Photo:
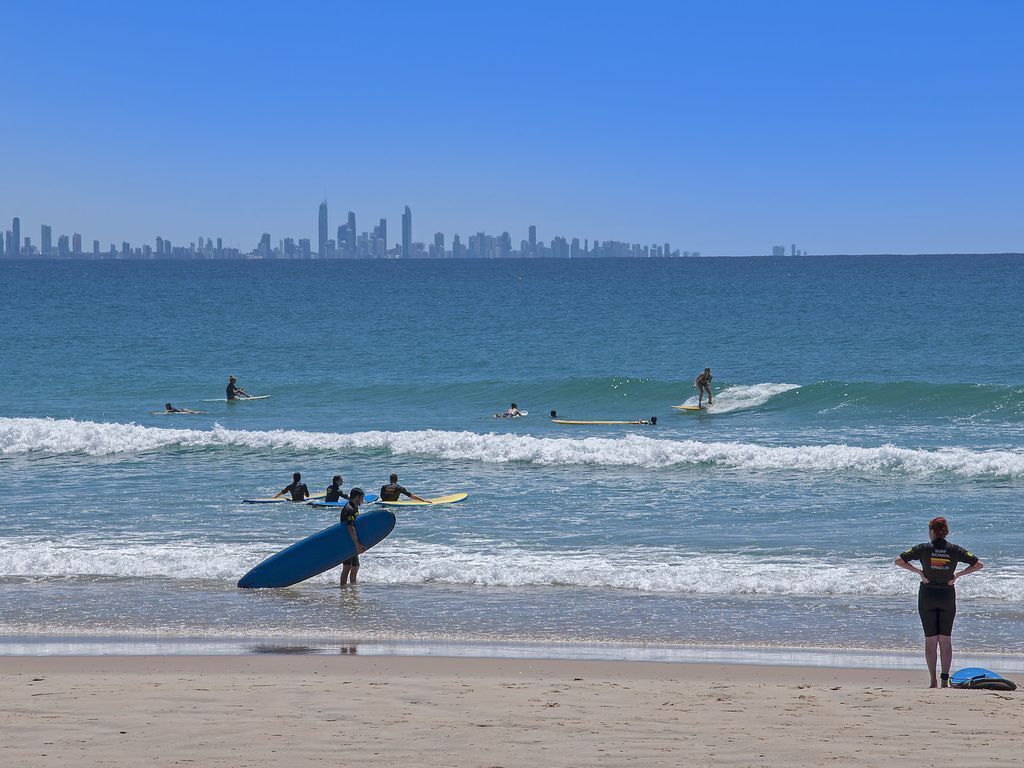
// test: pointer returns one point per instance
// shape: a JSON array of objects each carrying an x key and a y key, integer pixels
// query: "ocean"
[{"x": 856, "y": 398}]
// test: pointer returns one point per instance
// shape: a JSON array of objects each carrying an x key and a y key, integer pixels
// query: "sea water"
[{"x": 855, "y": 399}]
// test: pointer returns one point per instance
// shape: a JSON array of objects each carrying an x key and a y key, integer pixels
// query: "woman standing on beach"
[{"x": 936, "y": 597}]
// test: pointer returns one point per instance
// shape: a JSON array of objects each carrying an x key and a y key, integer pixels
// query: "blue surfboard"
[
  {"x": 370, "y": 498},
  {"x": 979, "y": 677},
  {"x": 318, "y": 553}
]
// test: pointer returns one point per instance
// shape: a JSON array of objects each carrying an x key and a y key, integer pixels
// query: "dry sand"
[{"x": 398, "y": 711}]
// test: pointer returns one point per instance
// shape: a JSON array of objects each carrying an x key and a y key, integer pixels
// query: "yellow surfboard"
[
  {"x": 451, "y": 498},
  {"x": 690, "y": 408},
  {"x": 571, "y": 421}
]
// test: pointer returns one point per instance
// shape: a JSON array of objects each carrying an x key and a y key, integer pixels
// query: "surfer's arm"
[
  {"x": 969, "y": 569},
  {"x": 900, "y": 562},
  {"x": 414, "y": 497},
  {"x": 355, "y": 539}
]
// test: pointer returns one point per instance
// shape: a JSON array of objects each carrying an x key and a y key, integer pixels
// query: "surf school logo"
[{"x": 939, "y": 561}]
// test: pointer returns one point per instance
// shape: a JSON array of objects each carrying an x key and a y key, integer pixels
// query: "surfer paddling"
[
  {"x": 393, "y": 492},
  {"x": 235, "y": 392},
  {"x": 703, "y": 386},
  {"x": 297, "y": 489},
  {"x": 168, "y": 408},
  {"x": 936, "y": 597},
  {"x": 350, "y": 567}
]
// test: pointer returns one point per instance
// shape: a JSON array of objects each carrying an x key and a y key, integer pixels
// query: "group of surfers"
[
  {"x": 938, "y": 558},
  {"x": 354, "y": 499}
]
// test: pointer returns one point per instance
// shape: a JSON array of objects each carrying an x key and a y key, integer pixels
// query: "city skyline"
[
  {"x": 348, "y": 244},
  {"x": 723, "y": 126}
]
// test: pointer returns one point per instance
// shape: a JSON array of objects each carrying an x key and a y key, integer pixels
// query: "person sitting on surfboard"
[
  {"x": 334, "y": 492},
  {"x": 703, "y": 384},
  {"x": 393, "y": 491},
  {"x": 297, "y": 489},
  {"x": 235, "y": 392},
  {"x": 350, "y": 567},
  {"x": 513, "y": 411}
]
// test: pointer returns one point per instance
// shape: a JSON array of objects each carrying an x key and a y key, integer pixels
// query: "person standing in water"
[
  {"x": 234, "y": 392},
  {"x": 350, "y": 567},
  {"x": 393, "y": 492},
  {"x": 297, "y": 489},
  {"x": 936, "y": 597},
  {"x": 703, "y": 385}
]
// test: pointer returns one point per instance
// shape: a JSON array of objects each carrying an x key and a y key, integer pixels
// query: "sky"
[{"x": 723, "y": 127}]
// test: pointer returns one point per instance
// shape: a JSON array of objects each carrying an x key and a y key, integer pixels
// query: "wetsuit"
[
  {"x": 230, "y": 392},
  {"x": 704, "y": 385},
  {"x": 334, "y": 493},
  {"x": 392, "y": 492},
  {"x": 298, "y": 490},
  {"x": 348, "y": 519},
  {"x": 936, "y": 600}
]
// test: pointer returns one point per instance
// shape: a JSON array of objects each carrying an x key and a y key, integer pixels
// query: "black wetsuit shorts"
[
  {"x": 352, "y": 561},
  {"x": 937, "y": 605}
]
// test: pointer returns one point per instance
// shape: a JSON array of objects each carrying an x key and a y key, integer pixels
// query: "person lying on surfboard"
[
  {"x": 393, "y": 491},
  {"x": 512, "y": 412},
  {"x": 234, "y": 392},
  {"x": 703, "y": 384},
  {"x": 168, "y": 408},
  {"x": 297, "y": 489},
  {"x": 334, "y": 492}
]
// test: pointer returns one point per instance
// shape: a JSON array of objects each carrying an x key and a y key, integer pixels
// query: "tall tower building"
[
  {"x": 322, "y": 239},
  {"x": 76, "y": 244},
  {"x": 45, "y": 240},
  {"x": 16, "y": 232},
  {"x": 407, "y": 233},
  {"x": 533, "y": 240},
  {"x": 383, "y": 236},
  {"x": 352, "y": 236}
]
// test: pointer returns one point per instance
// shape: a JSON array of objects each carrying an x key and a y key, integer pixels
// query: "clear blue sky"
[{"x": 724, "y": 127}]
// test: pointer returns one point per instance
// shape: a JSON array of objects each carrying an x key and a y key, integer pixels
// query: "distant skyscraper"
[
  {"x": 792, "y": 251},
  {"x": 9, "y": 249},
  {"x": 76, "y": 244},
  {"x": 382, "y": 236},
  {"x": 533, "y": 240},
  {"x": 45, "y": 240},
  {"x": 159, "y": 246},
  {"x": 63, "y": 246},
  {"x": 778, "y": 250},
  {"x": 352, "y": 237},
  {"x": 407, "y": 233},
  {"x": 322, "y": 240},
  {"x": 16, "y": 233},
  {"x": 96, "y": 248}
]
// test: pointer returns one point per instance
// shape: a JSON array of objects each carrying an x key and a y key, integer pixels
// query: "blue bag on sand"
[{"x": 985, "y": 679}]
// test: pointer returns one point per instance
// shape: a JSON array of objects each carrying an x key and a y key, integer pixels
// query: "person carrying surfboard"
[
  {"x": 297, "y": 489},
  {"x": 334, "y": 492},
  {"x": 936, "y": 597},
  {"x": 703, "y": 384},
  {"x": 350, "y": 567},
  {"x": 393, "y": 491},
  {"x": 234, "y": 392}
]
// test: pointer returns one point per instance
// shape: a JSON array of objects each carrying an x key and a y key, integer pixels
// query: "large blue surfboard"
[{"x": 317, "y": 553}]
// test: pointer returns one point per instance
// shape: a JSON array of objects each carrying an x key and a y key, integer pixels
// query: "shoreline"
[
  {"x": 56, "y": 646},
  {"x": 315, "y": 710}
]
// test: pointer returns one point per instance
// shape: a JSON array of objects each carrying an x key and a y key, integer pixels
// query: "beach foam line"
[
  {"x": 62, "y": 436},
  {"x": 639, "y": 569}
]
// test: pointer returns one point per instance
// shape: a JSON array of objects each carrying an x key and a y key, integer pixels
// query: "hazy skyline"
[{"x": 725, "y": 129}]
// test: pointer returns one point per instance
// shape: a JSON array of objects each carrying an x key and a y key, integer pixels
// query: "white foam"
[
  {"x": 638, "y": 569},
  {"x": 741, "y": 396},
  {"x": 52, "y": 436}
]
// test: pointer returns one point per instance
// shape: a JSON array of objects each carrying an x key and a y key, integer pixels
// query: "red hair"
[{"x": 939, "y": 527}]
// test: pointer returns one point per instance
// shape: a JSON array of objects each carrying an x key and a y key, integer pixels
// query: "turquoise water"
[{"x": 856, "y": 398}]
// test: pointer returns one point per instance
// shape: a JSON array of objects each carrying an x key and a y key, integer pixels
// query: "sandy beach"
[{"x": 350, "y": 710}]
